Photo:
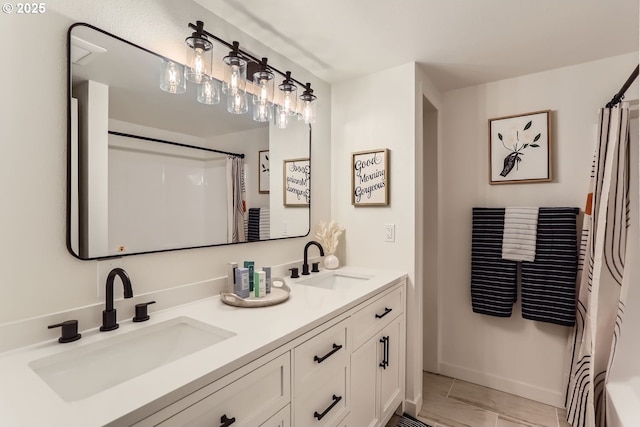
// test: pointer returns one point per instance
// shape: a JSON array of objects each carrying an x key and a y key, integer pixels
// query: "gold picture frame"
[
  {"x": 370, "y": 178},
  {"x": 520, "y": 149},
  {"x": 296, "y": 184}
]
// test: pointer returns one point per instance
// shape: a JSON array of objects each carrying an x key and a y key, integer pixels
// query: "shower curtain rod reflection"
[
  {"x": 620, "y": 95},
  {"x": 146, "y": 138}
]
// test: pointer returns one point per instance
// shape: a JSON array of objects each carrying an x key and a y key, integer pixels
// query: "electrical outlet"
[
  {"x": 104, "y": 268},
  {"x": 285, "y": 232},
  {"x": 389, "y": 232}
]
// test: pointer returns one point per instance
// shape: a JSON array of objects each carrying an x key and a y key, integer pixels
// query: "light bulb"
[
  {"x": 262, "y": 112},
  {"x": 308, "y": 112},
  {"x": 237, "y": 103},
  {"x": 282, "y": 117},
  {"x": 234, "y": 78},
  {"x": 172, "y": 77},
  {"x": 263, "y": 90},
  {"x": 198, "y": 66},
  {"x": 209, "y": 91}
]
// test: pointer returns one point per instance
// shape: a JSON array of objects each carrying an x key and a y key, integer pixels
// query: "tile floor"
[{"x": 447, "y": 402}]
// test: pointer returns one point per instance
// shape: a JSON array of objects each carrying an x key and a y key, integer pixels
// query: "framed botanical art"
[
  {"x": 520, "y": 148},
  {"x": 263, "y": 171},
  {"x": 370, "y": 178},
  {"x": 296, "y": 184}
]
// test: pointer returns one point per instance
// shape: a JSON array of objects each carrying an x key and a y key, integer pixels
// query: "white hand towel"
[{"x": 519, "y": 236}]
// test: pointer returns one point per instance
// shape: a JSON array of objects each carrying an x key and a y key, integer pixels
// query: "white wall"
[
  {"x": 513, "y": 354},
  {"x": 364, "y": 119},
  {"x": 39, "y": 274}
]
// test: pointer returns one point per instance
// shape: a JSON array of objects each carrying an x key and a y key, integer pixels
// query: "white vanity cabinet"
[
  {"x": 349, "y": 371},
  {"x": 321, "y": 377},
  {"x": 378, "y": 360},
  {"x": 255, "y": 399}
]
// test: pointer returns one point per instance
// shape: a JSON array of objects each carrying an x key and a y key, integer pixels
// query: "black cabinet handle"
[
  {"x": 336, "y": 399},
  {"x": 386, "y": 311},
  {"x": 226, "y": 422},
  {"x": 319, "y": 359},
  {"x": 385, "y": 352}
]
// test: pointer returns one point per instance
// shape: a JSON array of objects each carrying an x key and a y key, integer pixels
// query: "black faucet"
[
  {"x": 109, "y": 313},
  {"x": 305, "y": 265}
]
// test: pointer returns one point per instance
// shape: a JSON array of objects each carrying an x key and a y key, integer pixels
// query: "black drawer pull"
[
  {"x": 385, "y": 352},
  {"x": 226, "y": 422},
  {"x": 319, "y": 359},
  {"x": 336, "y": 399},
  {"x": 386, "y": 311}
]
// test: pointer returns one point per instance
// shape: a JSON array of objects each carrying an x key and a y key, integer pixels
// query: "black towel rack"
[{"x": 620, "y": 95}]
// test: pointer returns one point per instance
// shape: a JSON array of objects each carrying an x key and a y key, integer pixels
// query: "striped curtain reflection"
[
  {"x": 601, "y": 292},
  {"x": 236, "y": 200}
]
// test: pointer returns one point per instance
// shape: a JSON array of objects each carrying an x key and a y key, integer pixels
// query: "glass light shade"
[
  {"x": 308, "y": 111},
  {"x": 289, "y": 102},
  {"x": 172, "y": 77},
  {"x": 235, "y": 75},
  {"x": 263, "y": 87},
  {"x": 288, "y": 99},
  {"x": 307, "y": 105},
  {"x": 262, "y": 112},
  {"x": 209, "y": 91},
  {"x": 282, "y": 117},
  {"x": 199, "y": 59},
  {"x": 237, "y": 102}
]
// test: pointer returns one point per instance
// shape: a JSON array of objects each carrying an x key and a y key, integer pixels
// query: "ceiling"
[{"x": 457, "y": 42}]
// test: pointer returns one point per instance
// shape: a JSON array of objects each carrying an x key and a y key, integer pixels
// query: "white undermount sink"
[
  {"x": 335, "y": 280},
  {"x": 86, "y": 370}
]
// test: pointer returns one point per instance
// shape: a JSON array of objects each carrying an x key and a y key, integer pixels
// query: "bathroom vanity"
[{"x": 332, "y": 355}]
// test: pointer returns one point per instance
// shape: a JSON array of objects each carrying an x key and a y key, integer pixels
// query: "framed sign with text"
[
  {"x": 297, "y": 186},
  {"x": 370, "y": 178}
]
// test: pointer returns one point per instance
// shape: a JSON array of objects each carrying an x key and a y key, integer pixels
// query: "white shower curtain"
[
  {"x": 236, "y": 200},
  {"x": 602, "y": 287}
]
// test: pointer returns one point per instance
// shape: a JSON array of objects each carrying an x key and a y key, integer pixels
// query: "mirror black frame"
[{"x": 70, "y": 171}]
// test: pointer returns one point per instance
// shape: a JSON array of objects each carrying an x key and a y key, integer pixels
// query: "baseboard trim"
[
  {"x": 413, "y": 407},
  {"x": 529, "y": 391}
]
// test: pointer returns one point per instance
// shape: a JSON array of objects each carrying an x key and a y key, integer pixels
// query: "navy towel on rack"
[
  {"x": 493, "y": 279},
  {"x": 253, "y": 232},
  {"x": 549, "y": 282}
]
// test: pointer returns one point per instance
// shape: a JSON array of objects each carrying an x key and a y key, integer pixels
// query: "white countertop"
[{"x": 26, "y": 400}]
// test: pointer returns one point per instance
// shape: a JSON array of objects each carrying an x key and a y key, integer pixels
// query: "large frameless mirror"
[{"x": 154, "y": 171}]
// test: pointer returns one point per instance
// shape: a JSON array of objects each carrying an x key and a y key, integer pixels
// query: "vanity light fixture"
[
  {"x": 266, "y": 106},
  {"x": 199, "y": 55}
]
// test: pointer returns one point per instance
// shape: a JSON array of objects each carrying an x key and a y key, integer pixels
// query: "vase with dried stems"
[{"x": 328, "y": 235}]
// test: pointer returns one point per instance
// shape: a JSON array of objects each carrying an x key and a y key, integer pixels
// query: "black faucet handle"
[
  {"x": 294, "y": 272},
  {"x": 314, "y": 267},
  {"x": 69, "y": 331},
  {"x": 141, "y": 311}
]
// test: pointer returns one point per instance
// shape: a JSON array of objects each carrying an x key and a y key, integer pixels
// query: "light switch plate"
[{"x": 389, "y": 232}]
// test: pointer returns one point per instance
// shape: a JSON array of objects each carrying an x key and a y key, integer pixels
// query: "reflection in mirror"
[{"x": 152, "y": 171}]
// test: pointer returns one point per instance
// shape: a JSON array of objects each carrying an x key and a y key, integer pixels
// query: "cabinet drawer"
[
  {"x": 327, "y": 400},
  {"x": 322, "y": 352},
  {"x": 281, "y": 419},
  {"x": 376, "y": 315},
  {"x": 251, "y": 400}
]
